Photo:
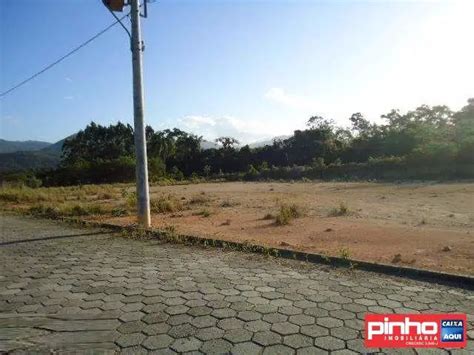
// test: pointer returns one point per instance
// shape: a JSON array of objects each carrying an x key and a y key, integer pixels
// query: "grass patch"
[
  {"x": 204, "y": 213},
  {"x": 341, "y": 210},
  {"x": 69, "y": 210},
  {"x": 200, "y": 199},
  {"x": 119, "y": 212},
  {"x": 166, "y": 204},
  {"x": 287, "y": 213},
  {"x": 228, "y": 203}
]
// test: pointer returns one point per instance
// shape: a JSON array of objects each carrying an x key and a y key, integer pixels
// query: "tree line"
[{"x": 430, "y": 142}]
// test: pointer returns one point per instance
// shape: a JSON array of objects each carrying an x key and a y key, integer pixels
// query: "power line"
[{"x": 63, "y": 57}]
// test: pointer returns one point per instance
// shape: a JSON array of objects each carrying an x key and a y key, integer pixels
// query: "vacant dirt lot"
[
  {"x": 417, "y": 224},
  {"x": 427, "y": 225}
]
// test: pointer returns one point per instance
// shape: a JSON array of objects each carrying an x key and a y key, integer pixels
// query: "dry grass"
[
  {"x": 341, "y": 210},
  {"x": 200, "y": 199},
  {"x": 287, "y": 213},
  {"x": 166, "y": 204}
]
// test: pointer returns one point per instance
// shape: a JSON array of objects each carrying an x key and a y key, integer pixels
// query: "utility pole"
[
  {"x": 137, "y": 47},
  {"x": 143, "y": 194}
]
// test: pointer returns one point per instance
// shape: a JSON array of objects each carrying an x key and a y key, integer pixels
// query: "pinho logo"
[{"x": 406, "y": 327}]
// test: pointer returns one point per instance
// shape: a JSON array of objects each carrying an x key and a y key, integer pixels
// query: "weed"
[
  {"x": 397, "y": 258},
  {"x": 200, "y": 199},
  {"x": 166, "y": 204},
  {"x": 342, "y": 210},
  {"x": 287, "y": 213},
  {"x": 131, "y": 199},
  {"x": 44, "y": 211},
  {"x": 119, "y": 212},
  {"x": 205, "y": 213},
  {"x": 344, "y": 253},
  {"x": 105, "y": 196},
  {"x": 228, "y": 203}
]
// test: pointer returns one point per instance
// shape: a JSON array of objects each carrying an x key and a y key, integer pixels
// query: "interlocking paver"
[{"x": 111, "y": 294}]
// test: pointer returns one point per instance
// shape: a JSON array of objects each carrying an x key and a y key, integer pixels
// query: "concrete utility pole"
[{"x": 143, "y": 195}]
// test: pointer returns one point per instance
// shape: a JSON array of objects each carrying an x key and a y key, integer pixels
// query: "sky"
[{"x": 248, "y": 69}]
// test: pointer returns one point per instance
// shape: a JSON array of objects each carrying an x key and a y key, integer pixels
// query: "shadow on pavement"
[{"x": 52, "y": 237}]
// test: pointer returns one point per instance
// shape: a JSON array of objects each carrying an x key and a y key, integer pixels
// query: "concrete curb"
[{"x": 455, "y": 280}]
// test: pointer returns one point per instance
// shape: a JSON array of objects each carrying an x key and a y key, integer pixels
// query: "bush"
[
  {"x": 166, "y": 204},
  {"x": 342, "y": 210},
  {"x": 287, "y": 213},
  {"x": 200, "y": 199},
  {"x": 119, "y": 212}
]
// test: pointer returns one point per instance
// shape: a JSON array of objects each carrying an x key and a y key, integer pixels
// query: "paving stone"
[
  {"x": 209, "y": 333},
  {"x": 285, "y": 328},
  {"x": 152, "y": 318},
  {"x": 126, "y": 340},
  {"x": 247, "y": 348},
  {"x": 301, "y": 319},
  {"x": 131, "y": 327},
  {"x": 157, "y": 342},
  {"x": 344, "y": 333},
  {"x": 111, "y": 294},
  {"x": 249, "y": 315},
  {"x": 238, "y": 335},
  {"x": 156, "y": 328},
  {"x": 224, "y": 313},
  {"x": 131, "y": 316},
  {"x": 329, "y": 343},
  {"x": 186, "y": 345},
  {"x": 182, "y": 330},
  {"x": 329, "y": 322},
  {"x": 278, "y": 350},
  {"x": 267, "y": 338},
  {"x": 216, "y": 346},
  {"x": 204, "y": 321},
  {"x": 230, "y": 323},
  {"x": 297, "y": 341},
  {"x": 314, "y": 330}
]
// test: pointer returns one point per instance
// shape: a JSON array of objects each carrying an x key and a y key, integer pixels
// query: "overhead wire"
[{"x": 82, "y": 45}]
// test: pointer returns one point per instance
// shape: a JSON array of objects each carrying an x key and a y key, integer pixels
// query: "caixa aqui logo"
[{"x": 415, "y": 330}]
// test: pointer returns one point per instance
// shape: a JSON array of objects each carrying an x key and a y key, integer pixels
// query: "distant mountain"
[
  {"x": 21, "y": 146},
  {"x": 262, "y": 143},
  {"x": 46, "y": 157},
  {"x": 20, "y": 161},
  {"x": 57, "y": 147}
]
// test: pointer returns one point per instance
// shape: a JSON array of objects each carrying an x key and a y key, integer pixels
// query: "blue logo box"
[{"x": 452, "y": 330}]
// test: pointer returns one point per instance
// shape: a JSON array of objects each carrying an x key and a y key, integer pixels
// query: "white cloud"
[
  {"x": 246, "y": 131},
  {"x": 297, "y": 102}
]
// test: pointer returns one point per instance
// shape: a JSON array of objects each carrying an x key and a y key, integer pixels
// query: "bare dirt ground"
[{"x": 423, "y": 225}]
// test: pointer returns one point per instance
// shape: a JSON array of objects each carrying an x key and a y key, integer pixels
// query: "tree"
[{"x": 227, "y": 143}]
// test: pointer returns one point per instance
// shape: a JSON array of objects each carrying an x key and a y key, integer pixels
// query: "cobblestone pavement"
[{"x": 64, "y": 288}]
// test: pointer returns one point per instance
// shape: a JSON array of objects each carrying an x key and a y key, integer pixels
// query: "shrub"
[
  {"x": 44, "y": 211},
  {"x": 228, "y": 203},
  {"x": 199, "y": 199},
  {"x": 287, "y": 213},
  {"x": 166, "y": 204},
  {"x": 342, "y": 210},
  {"x": 119, "y": 212},
  {"x": 82, "y": 210},
  {"x": 205, "y": 213}
]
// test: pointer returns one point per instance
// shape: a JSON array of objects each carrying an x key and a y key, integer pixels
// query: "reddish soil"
[{"x": 422, "y": 225}]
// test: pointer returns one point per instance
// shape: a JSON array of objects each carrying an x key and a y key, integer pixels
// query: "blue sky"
[{"x": 250, "y": 69}]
